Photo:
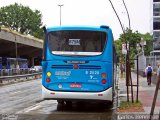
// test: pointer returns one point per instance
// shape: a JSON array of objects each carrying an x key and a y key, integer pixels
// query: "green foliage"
[
  {"x": 22, "y": 19},
  {"x": 133, "y": 38},
  {"x": 149, "y": 43},
  {"x": 118, "y": 46}
]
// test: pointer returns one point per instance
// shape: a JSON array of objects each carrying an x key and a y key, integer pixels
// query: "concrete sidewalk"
[{"x": 146, "y": 93}]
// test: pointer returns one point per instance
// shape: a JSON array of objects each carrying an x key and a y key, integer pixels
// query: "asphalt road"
[{"x": 22, "y": 101}]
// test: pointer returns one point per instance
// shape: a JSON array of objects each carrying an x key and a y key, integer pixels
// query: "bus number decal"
[
  {"x": 63, "y": 73},
  {"x": 92, "y": 73}
]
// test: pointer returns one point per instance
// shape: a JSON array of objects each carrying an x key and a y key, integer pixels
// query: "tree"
[
  {"x": 22, "y": 19},
  {"x": 133, "y": 38},
  {"x": 118, "y": 46}
]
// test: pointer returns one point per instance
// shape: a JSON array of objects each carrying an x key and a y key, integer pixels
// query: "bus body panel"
[
  {"x": 88, "y": 28},
  {"x": 104, "y": 95},
  {"x": 106, "y": 55},
  {"x": 88, "y": 76}
]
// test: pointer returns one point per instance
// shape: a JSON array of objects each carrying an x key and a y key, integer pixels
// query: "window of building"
[
  {"x": 157, "y": 19},
  {"x": 156, "y": 34},
  {"x": 156, "y": 9},
  {"x": 156, "y": 26},
  {"x": 156, "y": 0}
]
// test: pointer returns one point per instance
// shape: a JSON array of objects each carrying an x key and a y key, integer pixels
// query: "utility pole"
[
  {"x": 128, "y": 68},
  {"x": 127, "y": 77},
  {"x": 155, "y": 97},
  {"x": 60, "y": 12},
  {"x": 16, "y": 50},
  {"x": 0, "y": 26}
]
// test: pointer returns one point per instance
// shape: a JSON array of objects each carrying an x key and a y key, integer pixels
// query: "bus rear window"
[{"x": 77, "y": 42}]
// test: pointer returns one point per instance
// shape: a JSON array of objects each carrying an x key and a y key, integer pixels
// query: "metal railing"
[
  {"x": 21, "y": 71},
  {"x": 12, "y": 75}
]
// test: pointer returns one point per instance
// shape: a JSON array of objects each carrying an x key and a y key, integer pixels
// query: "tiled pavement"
[{"x": 146, "y": 93}]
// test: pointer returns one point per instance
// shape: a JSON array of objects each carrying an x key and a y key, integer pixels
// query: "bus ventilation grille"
[
  {"x": 89, "y": 67},
  {"x": 62, "y": 66}
]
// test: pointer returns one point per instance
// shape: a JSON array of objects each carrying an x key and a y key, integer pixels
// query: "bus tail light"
[
  {"x": 103, "y": 75},
  {"x": 48, "y": 80},
  {"x": 75, "y": 66},
  {"x": 104, "y": 81}
]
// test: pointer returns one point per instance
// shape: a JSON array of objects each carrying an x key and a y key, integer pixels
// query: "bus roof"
[{"x": 93, "y": 28}]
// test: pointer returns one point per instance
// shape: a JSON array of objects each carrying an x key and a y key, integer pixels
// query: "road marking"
[
  {"x": 33, "y": 108},
  {"x": 30, "y": 109},
  {"x": 124, "y": 95},
  {"x": 39, "y": 106}
]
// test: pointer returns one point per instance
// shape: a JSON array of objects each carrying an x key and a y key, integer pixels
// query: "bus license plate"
[{"x": 75, "y": 85}]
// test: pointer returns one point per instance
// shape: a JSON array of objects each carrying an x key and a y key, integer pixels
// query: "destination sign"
[{"x": 74, "y": 41}]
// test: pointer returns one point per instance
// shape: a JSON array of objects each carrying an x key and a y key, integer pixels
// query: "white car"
[{"x": 36, "y": 69}]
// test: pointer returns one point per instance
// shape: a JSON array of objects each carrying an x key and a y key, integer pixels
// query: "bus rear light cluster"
[
  {"x": 48, "y": 80},
  {"x": 104, "y": 81}
]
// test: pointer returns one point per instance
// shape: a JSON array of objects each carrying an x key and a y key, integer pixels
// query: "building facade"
[{"x": 156, "y": 24}]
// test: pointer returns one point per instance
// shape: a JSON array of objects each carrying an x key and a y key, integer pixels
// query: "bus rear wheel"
[
  {"x": 61, "y": 102},
  {"x": 68, "y": 103}
]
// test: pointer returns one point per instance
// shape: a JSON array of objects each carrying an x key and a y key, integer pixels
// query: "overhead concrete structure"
[{"x": 16, "y": 45}]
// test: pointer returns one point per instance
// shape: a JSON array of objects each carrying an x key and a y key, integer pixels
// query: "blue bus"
[{"x": 78, "y": 64}]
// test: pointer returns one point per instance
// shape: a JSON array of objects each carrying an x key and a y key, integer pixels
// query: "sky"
[{"x": 91, "y": 13}]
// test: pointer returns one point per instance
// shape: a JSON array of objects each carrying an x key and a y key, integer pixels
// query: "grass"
[
  {"x": 125, "y": 104},
  {"x": 130, "y": 107}
]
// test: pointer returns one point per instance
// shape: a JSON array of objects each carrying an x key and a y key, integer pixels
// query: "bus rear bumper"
[{"x": 104, "y": 95}]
